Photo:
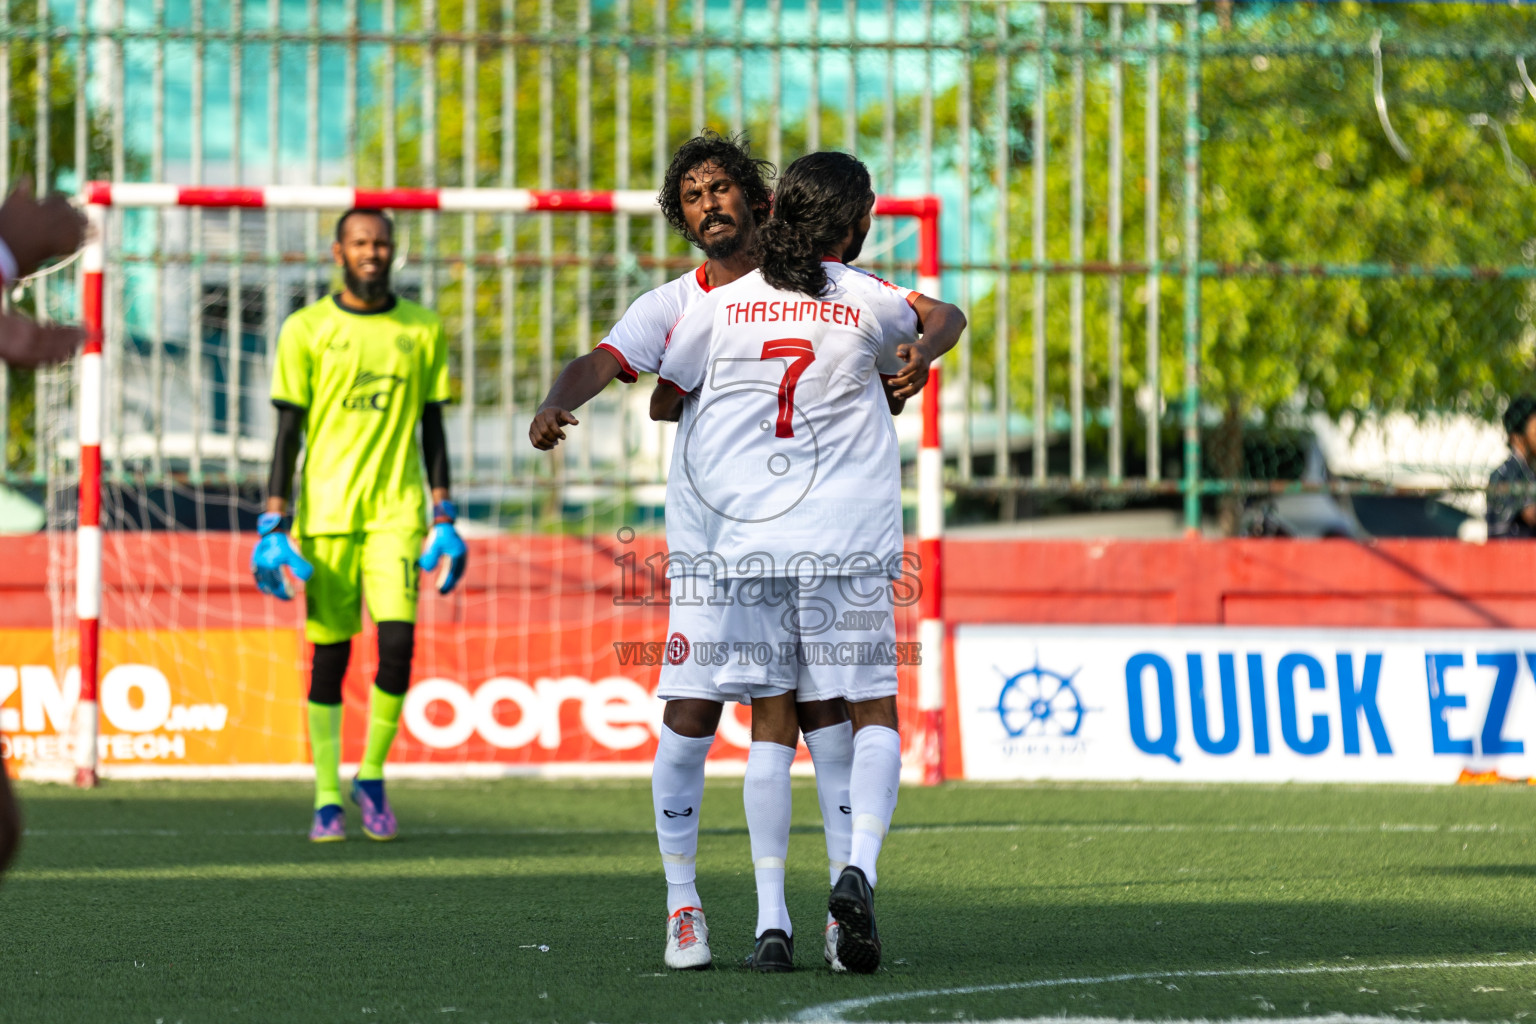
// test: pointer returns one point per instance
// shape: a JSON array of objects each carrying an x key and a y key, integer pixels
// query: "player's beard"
[
  {"x": 855, "y": 245},
  {"x": 369, "y": 290},
  {"x": 724, "y": 248}
]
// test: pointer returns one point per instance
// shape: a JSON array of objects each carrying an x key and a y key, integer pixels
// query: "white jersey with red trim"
[
  {"x": 790, "y": 453},
  {"x": 639, "y": 338}
]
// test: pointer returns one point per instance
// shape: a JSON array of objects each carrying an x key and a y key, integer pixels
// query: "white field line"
[
  {"x": 1386, "y": 828},
  {"x": 832, "y": 1013}
]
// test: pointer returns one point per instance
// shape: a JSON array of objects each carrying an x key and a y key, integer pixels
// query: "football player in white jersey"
[
  {"x": 794, "y": 463},
  {"x": 714, "y": 195}
]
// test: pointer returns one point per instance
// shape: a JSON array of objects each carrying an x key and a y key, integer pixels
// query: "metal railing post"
[{"x": 1191, "y": 262}]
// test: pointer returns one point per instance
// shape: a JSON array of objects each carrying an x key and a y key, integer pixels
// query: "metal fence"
[{"x": 1361, "y": 245}]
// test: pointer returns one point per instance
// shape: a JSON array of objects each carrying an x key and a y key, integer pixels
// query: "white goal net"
[{"x": 546, "y": 656}]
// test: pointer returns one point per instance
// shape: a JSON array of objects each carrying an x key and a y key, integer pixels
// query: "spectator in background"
[
  {"x": 1511, "y": 511},
  {"x": 33, "y": 231}
]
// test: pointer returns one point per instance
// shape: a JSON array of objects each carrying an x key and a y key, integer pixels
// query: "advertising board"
[{"x": 1244, "y": 703}]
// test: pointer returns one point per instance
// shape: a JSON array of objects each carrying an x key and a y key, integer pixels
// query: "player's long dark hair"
[
  {"x": 733, "y": 155},
  {"x": 818, "y": 199}
]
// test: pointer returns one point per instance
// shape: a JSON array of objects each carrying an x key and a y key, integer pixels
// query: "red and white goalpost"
[
  {"x": 99, "y": 196},
  {"x": 88, "y": 539}
]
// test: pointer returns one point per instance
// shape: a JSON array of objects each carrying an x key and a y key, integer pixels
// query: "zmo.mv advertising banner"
[
  {"x": 1244, "y": 704},
  {"x": 168, "y": 698},
  {"x": 208, "y": 699}
]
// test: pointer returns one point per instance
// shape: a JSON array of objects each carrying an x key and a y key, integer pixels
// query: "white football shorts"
[
  {"x": 693, "y": 631},
  {"x": 831, "y": 638}
]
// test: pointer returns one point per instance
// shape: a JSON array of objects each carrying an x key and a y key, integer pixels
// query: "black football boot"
[
  {"x": 773, "y": 954},
  {"x": 852, "y": 905}
]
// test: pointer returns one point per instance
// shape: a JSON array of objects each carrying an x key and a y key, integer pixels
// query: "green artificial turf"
[{"x": 514, "y": 900}]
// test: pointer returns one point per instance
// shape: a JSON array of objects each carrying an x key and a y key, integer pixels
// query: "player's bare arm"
[
  {"x": 942, "y": 324},
  {"x": 581, "y": 380},
  {"x": 666, "y": 403}
]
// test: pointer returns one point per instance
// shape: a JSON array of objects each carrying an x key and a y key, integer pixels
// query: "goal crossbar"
[
  {"x": 98, "y": 197},
  {"x": 925, "y": 209}
]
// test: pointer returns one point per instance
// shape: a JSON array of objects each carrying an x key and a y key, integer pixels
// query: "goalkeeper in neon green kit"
[{"x": 356, "y": 372}]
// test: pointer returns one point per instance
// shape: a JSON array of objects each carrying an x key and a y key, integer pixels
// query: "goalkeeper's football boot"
[
  {"x": 378, "y": 818},
  {"x": 773, "y": 954},
  {"x": 687, "y": 941},
  {"x": 829, "y": 949},
  {"x": 330, "y": 825},
  {"x": 852, "y": 903}
]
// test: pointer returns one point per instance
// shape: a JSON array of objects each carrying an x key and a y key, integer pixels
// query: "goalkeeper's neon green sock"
[
  {"x": 383, "y": 722},
  {"x": 325, "y": 748}
]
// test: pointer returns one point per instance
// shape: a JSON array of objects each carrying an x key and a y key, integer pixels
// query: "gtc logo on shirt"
[{"x": 371, "y": 391}]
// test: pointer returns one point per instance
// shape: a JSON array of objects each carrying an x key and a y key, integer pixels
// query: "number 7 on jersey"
[{"x": 800, "y": 355}]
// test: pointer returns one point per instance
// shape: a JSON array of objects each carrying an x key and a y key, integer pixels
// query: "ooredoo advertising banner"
[
  {"x": 1244, "y": 704},
  {"x": 218, "y": 702},
  {"x": 549, "y": 657}
]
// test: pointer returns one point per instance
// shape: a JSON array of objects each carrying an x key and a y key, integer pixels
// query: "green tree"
[
  {"x": 613, "y": 282},
  {"x": 1296, "y": 168},
  {"x": 607, "y": 280}
]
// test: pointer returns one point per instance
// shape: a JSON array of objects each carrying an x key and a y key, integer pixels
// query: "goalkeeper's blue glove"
[
  {"x": 444, "y": 542},
  {"x": 274, "y": 551}
]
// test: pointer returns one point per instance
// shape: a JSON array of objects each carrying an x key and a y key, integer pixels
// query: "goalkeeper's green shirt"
[{"x": 363, "y": 379}]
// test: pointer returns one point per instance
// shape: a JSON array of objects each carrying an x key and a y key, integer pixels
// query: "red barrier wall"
[
  {"x": 523, "y": 590},
  {"x": 1386, "y": 584},
  {"x": 1394, "y": 584}
]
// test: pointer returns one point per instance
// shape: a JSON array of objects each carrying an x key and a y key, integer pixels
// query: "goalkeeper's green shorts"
[{"x": 348, "y": 567}]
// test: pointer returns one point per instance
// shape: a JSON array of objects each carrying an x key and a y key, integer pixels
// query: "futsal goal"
[{"x": 545, "y": 658}]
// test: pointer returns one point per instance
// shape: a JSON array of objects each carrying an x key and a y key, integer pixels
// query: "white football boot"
[
  {"x": 829, "y": 949},
  {"x": 687, "y": 940}
]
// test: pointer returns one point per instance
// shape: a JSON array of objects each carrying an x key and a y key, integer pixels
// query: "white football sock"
[
  {"x": 765, "y": 792},
  {"x": 832, "y": 752},
  {"x": 677, "y": 788},
  {"x": 872, "y": 793}
]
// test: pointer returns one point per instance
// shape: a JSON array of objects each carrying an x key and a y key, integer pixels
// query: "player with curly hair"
[
  {"x": 801, "y": 487},
  {"x": 715, "y": 195}
]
